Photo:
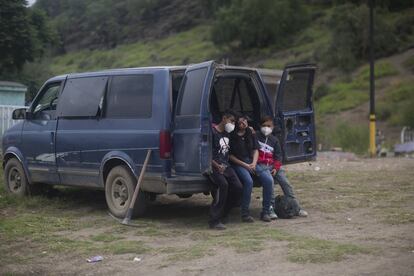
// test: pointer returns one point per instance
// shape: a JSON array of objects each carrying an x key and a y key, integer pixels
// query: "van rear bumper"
[
  {"x": 176, "y": 184},
  {"x": 187, "y": 185}
]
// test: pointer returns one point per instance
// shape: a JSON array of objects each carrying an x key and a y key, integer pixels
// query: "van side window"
[
  {"x": 48, "y": 100},
  {"x": 81, "y": 97},
  {"x": 193, "y": 88},
  {"x": 297, "y": 89},
  {"x": 130, "y": 96}
]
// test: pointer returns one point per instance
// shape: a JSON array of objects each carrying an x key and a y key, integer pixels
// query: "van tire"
[
  {"x": 15, "y": 178},
  {"x": 119, "y": 189}
]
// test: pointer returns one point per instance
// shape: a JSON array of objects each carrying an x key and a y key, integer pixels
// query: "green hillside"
[
  {"x": 329, "y": 33},
  {"x": 181, "y": 48}
]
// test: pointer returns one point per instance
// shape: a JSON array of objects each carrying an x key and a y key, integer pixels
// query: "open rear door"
[
  {"x": 192, "y": 126},
  {"x": 295, "y": 114}
]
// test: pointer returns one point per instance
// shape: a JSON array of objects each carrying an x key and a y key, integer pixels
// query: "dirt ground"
[{"x": 361, "y": 222}]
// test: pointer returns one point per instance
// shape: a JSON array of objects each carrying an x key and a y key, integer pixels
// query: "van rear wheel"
[
  {"x": 119, "y": 189},
  {"x": 15, "y": 178}
]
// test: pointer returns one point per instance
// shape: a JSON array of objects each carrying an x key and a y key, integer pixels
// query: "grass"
[
  {"x": 382, "y": 69},
  {"x": 396, "y": 106},
  {"x": 317, "y": 251},
  {"x": 254, "y": 238},
  {"x": 351, "y": 137},
  {"x": 53, "y": 230},
  {"x": 386, "y": 197},
  {"x": 349, "y": 94},
  {"x": 186, "y": 47},
  {"x": 62, "y": 224},
  {"x": 105, "y": 237},
  {"x": 409, "y": 63}
]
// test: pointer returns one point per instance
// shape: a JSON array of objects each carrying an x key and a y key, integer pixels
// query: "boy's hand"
[
  {"x": 246, "y": 166},
  {"x": 252, "y": 167},
  {"x": 221, "y": 168},
  {"x": 273, "y": 172}
]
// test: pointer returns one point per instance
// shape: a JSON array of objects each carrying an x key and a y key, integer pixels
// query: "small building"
[
  {"x": 12, "y": 96},
  {"x": 12, "y": 93}
]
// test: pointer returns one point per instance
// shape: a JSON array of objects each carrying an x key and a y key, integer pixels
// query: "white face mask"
[
  {"x": 266, "y": 130},
  {"x": 229, "y": 127}
]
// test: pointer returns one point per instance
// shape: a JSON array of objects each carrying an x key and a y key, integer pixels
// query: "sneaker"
[
  {"x": 248, "y": 219},
  {"x": 272, "y": 213},
  {"x": 265, "y": 217},
  {"x": 217, "y": 226},
  {"x": 225, "y": 219},
  {"x": 302, "y": 213}
]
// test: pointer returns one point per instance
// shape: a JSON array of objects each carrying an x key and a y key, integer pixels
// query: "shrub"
[
  {"x": 409, "y": 63},
  {"x": 321, "y": 91},
  {"x": 346, "y": 95},
  {"x": 399, "y": 100},
  {"x": 349, "y": 25},
  {"x": 350, "y": 137},
  {"x": 382, "y": 69},
  {"x": 257, "y": 23}
]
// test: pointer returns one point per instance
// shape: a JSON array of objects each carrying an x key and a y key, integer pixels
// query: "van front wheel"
[
  {"x": 119, "y": 189},
  {"x": 15, "y": 178}
]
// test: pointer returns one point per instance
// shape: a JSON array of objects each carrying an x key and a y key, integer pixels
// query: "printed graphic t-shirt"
[{"x": 221, "y": 147}]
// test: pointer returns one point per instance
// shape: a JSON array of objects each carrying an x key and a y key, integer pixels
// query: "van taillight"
[{"x": 165, "y": 144}]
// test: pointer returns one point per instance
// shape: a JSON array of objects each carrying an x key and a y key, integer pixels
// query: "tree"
[
  {"x": 349, "y": 25},
  {"x": 25, "y": 34},
  {"x": 16, "y": 43},
  {"x": 257, "y": 23}
]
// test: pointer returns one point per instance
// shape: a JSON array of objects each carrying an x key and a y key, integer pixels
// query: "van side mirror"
[{"x": 19, "y": 114}]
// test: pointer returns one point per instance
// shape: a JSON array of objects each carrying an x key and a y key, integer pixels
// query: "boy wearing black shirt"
[{"x": 228, "y": 185}]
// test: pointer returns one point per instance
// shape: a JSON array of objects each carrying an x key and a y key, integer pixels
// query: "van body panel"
[
  {"x": 39, "y": 139},
  {"x": 103, "y": 137},
  {"x": 117, "y": 155},
  {"x": 192, "y": 124},
  {"x": 294, "y": 113}
]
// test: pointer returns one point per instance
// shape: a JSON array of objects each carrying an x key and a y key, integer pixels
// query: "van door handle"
[{"x": 52, "y": 138}]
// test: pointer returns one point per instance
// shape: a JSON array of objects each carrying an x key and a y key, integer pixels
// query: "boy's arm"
[
  {"x": 256, "y": 148},
  {"x": 277, "y": 155},
  {"x": 220, "y": 168},
  {"x": 255, "y": 156},
  {"x": 236, "y": 160}
]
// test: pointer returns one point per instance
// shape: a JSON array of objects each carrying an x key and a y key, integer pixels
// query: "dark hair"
[
  {"x": 265, "y": 119},
  {"x": 238, "y": 114},
  {"x": 229, "y": 113}
]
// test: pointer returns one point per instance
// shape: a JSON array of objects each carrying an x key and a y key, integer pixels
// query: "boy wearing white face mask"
[
  {"x": 269, "y": 169},
  {"x": 228, "y": 185}
]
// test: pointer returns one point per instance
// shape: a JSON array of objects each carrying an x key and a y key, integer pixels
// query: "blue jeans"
[
  {"x": 247, "y": 181},
  {"x": 266, "y": 179}
]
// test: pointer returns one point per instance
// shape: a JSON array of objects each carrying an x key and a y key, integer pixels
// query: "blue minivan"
[{"x": 94, "y": 129}]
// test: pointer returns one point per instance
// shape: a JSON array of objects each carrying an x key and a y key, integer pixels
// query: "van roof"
[
  {"x": 117, "y": 71},
  {"x": 265, "y": 73}
]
